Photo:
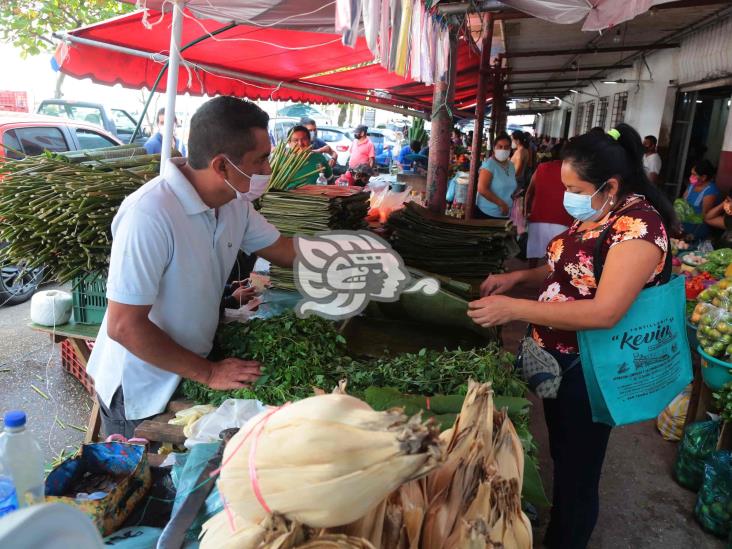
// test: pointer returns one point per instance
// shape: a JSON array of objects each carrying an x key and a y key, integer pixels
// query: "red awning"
[{"x": 248, "y": 61}]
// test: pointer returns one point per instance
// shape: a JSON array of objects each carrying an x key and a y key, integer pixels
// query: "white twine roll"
[{"x": 51, "y": 308}]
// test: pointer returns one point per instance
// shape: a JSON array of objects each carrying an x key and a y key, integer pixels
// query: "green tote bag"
[{"x": 634, "y": 369}]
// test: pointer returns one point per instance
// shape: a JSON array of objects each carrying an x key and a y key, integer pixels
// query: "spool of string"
[{"x": 51, "y": 308}]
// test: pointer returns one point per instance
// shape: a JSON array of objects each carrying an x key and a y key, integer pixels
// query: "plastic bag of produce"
[
  {"x": 671, "y": 421},
  {"x": 714, "y": 504},
  {"x": 714, "y": 330},
  {"x": 700, "y": 440}
]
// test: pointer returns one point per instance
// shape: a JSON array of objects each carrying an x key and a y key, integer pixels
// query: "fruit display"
[
  {"x": 713, "y": 317},
  {"x": 717, "y": 263}
]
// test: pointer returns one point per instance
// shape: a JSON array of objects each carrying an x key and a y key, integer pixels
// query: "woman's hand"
[
  {"x": 493, "y": 310},
  {"x": 727, "y": 205},
  {"x": 505, "y": 208},
  {"x": 498, "y": 284}
]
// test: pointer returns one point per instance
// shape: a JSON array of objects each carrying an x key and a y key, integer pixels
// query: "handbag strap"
[{"x": 598, "y": 263}]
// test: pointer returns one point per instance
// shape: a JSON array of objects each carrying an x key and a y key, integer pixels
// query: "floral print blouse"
[{"x": 570, "y": 258}]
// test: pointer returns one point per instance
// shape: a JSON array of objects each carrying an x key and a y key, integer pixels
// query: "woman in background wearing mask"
[
  {"x": 702, "y": 193},
  {"x": 496, "y": 182},
  {"x": 606, "y": 188}
]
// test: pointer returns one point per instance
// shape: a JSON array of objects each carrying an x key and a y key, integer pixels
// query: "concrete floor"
[
  {"x": 29, "y": 359},
  {"x": 641, "y": 506}
]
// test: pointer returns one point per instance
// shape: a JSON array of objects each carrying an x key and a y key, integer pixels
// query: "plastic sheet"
[{"x": 700, "y": 440}]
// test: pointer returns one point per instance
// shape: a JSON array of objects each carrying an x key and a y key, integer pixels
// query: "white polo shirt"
[{"x": 170, "y": 251}]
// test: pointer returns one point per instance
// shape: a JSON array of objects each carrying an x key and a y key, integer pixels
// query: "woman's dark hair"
[
  {"x": 597, "y": 157},
  {"x": 223, "y": 125},
  {"x": 298, "y": 129},
  {"x": 704, "y": 167},
  {"x": 503, "y": 136},
  {"x": 521, "y": 137}
]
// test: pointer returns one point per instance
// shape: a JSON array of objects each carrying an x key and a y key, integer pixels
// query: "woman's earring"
[{"x": 612, "y": 201}]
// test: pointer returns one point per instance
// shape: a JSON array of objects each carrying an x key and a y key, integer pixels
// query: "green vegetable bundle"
[
  {"x": 300, "y": 354},
  {"x": 297, "y": 354},
  {"x": 442, "y": 245},
  {"x": 285, "y": 163},
  {"x": 57, "y": 209},
  {"x": 685, "y": 212},
  {"x": 717, "y": 262},
  {"x": 417, "y": 132}
]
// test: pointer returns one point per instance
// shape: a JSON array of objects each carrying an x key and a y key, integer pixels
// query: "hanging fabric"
[
  {"x": 384, "y": 37},
  {"x": 403, "y": 43},
  {"x": 348, "y": 15},
  {"x": 415, "y": 42},
  {"x": 371, "y": 13},
  {"x": 396, "y": 25}
]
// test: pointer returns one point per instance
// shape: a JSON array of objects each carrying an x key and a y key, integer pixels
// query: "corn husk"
[
  {"x": 325, "y": 461},
  {"x": 472, "y": 501}
]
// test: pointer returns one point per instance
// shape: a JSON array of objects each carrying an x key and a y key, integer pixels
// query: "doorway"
[
  {"x": 697, "y": 133},
  {"x": 567, "y": 122}
]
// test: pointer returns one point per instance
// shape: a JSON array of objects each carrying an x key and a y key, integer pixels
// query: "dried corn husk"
[{"x": 325, "y": 461}]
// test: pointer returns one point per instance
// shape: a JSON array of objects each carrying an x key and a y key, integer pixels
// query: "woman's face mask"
[
  {"x": 257, "y": 185},
  {"x": 580, "y": 207}
]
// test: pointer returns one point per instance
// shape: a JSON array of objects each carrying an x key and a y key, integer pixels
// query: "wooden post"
[
  {"x": 498, "y": 112},
  {"x": 439, "y": 158},
  {"x": 485, "y": 69}
]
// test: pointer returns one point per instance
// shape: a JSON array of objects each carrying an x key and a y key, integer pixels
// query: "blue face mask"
[{"x": 580, "y": 207}]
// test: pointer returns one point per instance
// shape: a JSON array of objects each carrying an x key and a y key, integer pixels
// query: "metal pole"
[
  {"x": 171, "y": 89},
  {"x": 485, "y": 69},
  {"x": 439, "y": 158}
]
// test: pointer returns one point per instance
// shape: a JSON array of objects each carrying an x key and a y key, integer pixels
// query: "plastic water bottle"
[
  {"x": 321, "y": 179},
  {"x": 21, "y": 458},
  {"x": 393, "y": 168}
]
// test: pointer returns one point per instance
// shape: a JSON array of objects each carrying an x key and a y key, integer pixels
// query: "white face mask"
[
  {"x": 257, "y": 185},
  {"x": 501, "y": 154}
]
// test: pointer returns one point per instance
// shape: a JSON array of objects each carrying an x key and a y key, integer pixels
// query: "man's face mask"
[{"x": 257, "y": 184}]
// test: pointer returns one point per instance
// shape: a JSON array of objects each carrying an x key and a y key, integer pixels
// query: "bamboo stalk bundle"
[{"x": 57, "y": 210}]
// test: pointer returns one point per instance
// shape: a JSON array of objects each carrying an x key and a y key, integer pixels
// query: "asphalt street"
[{"x": 30, "y": 364}]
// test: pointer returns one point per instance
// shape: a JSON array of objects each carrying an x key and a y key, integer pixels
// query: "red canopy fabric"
[{"x": 280, "y": 55}]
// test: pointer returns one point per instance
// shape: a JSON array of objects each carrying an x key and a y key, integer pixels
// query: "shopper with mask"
[
  {"x": 175, "y": 241},
  {"x": 154, "y": 144},
  {"x": 651, "y": 159},
  {"x": 319, "y": 146},
  {"x": 496, "y": 182},
  {"x": 702, "y": 193},
  {"x": 362, "y": 149},
  {"x": 609, "y": 195}
]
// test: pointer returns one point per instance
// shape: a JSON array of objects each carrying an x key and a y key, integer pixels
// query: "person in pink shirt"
[{"x": 362, "y": 149}]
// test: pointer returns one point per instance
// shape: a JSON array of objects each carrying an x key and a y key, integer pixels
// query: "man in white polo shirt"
[{"x": 175, "y": 241}]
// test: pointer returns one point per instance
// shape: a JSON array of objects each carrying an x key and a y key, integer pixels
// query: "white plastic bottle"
[
  {"x": 21, "y": 459},
  {"x": 321, "y": 179}
]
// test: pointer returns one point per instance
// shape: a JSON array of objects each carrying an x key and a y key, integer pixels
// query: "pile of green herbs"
[{"x": 299, "y": 355}]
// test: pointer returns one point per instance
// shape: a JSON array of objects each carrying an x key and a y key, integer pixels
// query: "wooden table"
[{"x": 77, "y": 335}]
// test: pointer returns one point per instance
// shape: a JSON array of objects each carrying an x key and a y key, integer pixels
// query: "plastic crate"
[
  {"x": 89, "y": 297},
  {"x": 73, "y": 365}
]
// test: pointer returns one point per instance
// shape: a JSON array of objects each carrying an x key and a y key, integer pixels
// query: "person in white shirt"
[
  {"x": 175, "y": 241},
  {"x": 651, "y": 159}
]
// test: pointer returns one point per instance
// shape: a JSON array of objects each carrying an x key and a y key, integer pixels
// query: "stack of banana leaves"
[
  {"x": 57, "y": 209},
  {"x": 311, "y": 209},
  {"x": 444, "y": 245}
]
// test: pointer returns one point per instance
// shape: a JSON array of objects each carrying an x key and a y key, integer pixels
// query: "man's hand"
[
  {"x": 244, "y": 294},
  {"x": 233, "y": 373}
]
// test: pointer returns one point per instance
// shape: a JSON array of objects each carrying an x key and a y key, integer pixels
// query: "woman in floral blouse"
[{"x": 605, "y": 186}]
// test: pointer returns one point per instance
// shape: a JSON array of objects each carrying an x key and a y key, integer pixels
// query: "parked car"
[
  {"x": 385, "y": 146},
  {"x": 279, "y": 127},
  {"x": 31, "y": 135},
  {"x": 339, "y": 139},
  {"x": 118, "y": 122}
]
